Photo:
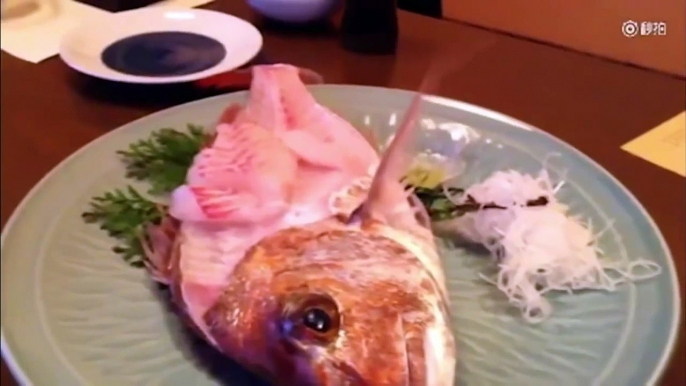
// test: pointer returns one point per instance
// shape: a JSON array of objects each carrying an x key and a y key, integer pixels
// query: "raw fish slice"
[
  {"x": 313, "y": 149},
  {"x": 228, "y": 117},
  {"x": 315, "y": 195},
  {"x": 244, "y": 176},
  {"x": 322, "y": 141},
  {"x": 241, "y": 156},
  {"x": 224, "y": 206},
  {"x": 264, "y": 105},
  {"x": 281, "y": 102}
]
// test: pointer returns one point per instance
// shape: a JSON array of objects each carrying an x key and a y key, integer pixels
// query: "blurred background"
[{"x": 588, "y": 26}]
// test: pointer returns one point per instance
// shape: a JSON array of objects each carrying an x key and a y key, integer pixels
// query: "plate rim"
[
  {"x": 669, "y": 350},
  {"x": 137, "y": 79}
]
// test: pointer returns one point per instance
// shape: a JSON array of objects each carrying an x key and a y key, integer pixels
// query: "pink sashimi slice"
[
  {"x": 241, "y": 157},
  {"x": 279, "y": 101},
  {"x": 312, "y": 149},
  {"x": 244, "y": 176}
]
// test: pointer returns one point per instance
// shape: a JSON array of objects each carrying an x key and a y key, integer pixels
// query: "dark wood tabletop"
[{"x": 596, "y": 105}]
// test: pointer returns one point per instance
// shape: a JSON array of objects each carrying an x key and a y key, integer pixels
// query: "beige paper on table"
[
  {"x": 664, "y": 146},
  {"x": 36, "y": 33}
]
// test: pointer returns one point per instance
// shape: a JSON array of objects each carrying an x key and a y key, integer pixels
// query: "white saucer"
[{"x": 82, "y": 48}]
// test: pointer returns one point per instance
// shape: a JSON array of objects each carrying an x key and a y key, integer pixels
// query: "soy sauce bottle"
[{"x": 370, "y": 26}]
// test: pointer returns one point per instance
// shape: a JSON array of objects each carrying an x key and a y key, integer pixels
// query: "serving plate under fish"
[{"x": 73, "y": 313}]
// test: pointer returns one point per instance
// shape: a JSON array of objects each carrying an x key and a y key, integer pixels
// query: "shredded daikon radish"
[{"x": 539, "y": 248}]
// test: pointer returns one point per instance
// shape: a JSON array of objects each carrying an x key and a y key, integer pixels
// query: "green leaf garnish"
[
  {"x": 124, "y": 214},
  {"x": 163, "y": 159}
]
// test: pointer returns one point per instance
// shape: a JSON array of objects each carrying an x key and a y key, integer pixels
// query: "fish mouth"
[
  {"x": 340, "y": 373},
  {"x": 327, "y": 370},
  {"x": 317, "y": 367}
]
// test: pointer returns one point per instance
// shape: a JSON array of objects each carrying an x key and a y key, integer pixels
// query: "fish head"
[
  {"x": 336, "y": 307},
  {"x": 352, "y": 301},
  {"x": 381, "y": 333}
]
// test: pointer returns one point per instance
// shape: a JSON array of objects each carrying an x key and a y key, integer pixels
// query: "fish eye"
[
  {"x": 310, "y": 317},
  {"x": 317, "y": 319}
]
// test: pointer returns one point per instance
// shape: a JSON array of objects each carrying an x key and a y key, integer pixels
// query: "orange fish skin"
[{"x": 383, "y": 306}]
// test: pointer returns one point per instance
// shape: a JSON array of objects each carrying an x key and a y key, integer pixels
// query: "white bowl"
[
  {"x": 295, "y": 11},
  {"x": 82, "y": 48}
]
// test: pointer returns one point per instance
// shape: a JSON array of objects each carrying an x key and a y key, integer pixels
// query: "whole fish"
[{"x": 294, "y": 250}]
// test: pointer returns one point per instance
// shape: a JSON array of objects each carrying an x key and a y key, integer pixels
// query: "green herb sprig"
[
  {"x": 441, "y": 208},
  {"x": 124, "y": 214},
  {"x": 163, "y": 159},
  {"x": 438, "y": 206}
]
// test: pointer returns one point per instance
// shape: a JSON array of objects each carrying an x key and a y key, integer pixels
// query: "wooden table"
[{"x": 593, "y": 104}]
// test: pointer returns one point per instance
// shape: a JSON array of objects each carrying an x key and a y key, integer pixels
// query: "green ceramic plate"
[{"x": 74, "y": 314}]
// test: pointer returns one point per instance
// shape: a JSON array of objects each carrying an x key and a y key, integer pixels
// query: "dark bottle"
[{"x": 370, "y": 26}]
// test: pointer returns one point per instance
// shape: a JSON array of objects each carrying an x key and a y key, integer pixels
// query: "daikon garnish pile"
[{"x": 538, "y": 248}]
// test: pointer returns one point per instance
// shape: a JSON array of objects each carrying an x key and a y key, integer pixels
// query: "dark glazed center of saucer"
[{"x": 159, "y": 54}]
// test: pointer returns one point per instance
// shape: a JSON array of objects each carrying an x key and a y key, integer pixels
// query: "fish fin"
[
  {"x": 158, "y": 242},
  {"x": 387, "y": 200}
]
